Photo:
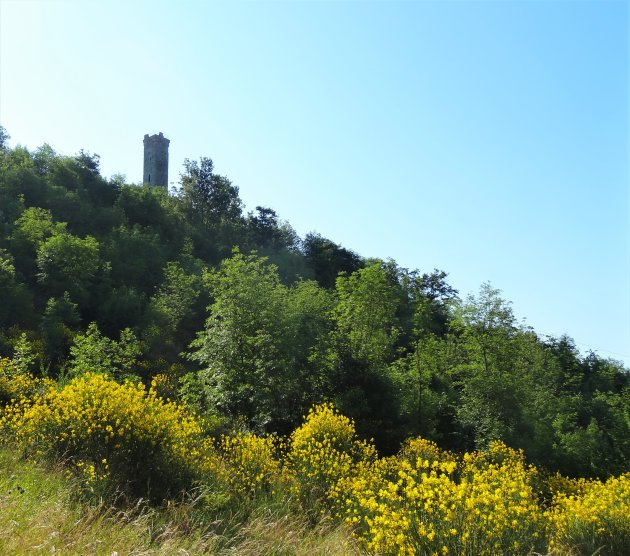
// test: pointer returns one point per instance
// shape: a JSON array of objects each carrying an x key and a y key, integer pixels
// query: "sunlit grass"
[{"x": 42, "y": 511}]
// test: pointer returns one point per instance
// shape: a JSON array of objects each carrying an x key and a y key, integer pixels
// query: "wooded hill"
[{"x": 251, "y": 325}]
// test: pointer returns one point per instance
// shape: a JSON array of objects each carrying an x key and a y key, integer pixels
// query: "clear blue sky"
[{"x": 488, "y": 139}]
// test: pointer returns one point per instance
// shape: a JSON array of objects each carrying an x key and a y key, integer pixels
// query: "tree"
[
  {"x": 4, "y": 139},
  {"x": 256, "y": 348},
  {"x": 491, "y": 390},
  {"x": 366, "y": 332},
  {"x": 366, "y": 314},
  {"x": 210, "y": 197},
  {"x": 429, "y": 397},
  {"x": 15, "y": 299},
  {"x": 91, "y": 162},
  {"x": 309, "y": 309},
  {"x": 68, "y": 263},
  {"x": 431, "y": 297},
  {"x": 24, "y": 356},
  {"x": 170, "y": 308},
  {"x": 327, "y": 259},
  {"x": 58, "y": 327},
  {"x": 149, "y": 207},
  {"x": 265, "y": 228},
  {"x": 36, "y": 225},
  {"x": 44, "y": 158},
  {"x": 137, "y": 257},
  {"x": 92, "y": 352}
]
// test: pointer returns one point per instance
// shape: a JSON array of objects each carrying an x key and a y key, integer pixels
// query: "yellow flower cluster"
[
  {"x": 93, "y": 473},
  {"x": 164, "y": 385},
  {"x": 245, "y": 464},
  {"x": 555, "y": 485},
  {"x": 423, "y": 501},
  {"x": 409, "y": 505},
  {"x": 597, "y": 520},
  {"x": 16, "y": 386},
  {"x": 322, "y": 451},
  {"x": 145, "y": 439},
  {"x": 421, "y": 448}
]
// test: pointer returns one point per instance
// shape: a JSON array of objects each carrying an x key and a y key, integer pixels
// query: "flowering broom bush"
[
  {"x": 423, "y": 501},
  {"x": 16, "y": 385},
  {"x": 142, "y": 444},
  {"x": 595, "y": 521},
  {"x": 322, "y": 451},
  {"x": 483, "y": 505},
  {"x": 245, "y": 464}
]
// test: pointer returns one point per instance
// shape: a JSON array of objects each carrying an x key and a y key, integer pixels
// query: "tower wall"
[{"x": 156, "y": 161}]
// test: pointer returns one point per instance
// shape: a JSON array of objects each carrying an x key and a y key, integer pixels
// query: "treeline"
[{"x": 252, "y": 325}]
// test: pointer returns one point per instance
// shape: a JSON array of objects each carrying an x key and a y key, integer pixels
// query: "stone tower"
[{"x": 156, "y": 161}]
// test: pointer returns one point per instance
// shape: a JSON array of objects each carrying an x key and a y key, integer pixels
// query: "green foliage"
[
  {"x": 327, "y": 259},
  {"x": 267, "y": 232},
  {"x": 426, "y": 389},
  {"x": 36, "y": 225},
  {"x": 137, "y": 257},
  {"x": 491, "y": 384},
  {"x": 24, "y": 356},
  {"x": 208, "y": 196},
  {"x": 259, "y": 341},
  {"x": 431, "y": 297},
  {"x": 4, "y": 139},
  {"x": 58, "y": 327},
  {"x": 15, "y": 299},
  {"x": 172, "y": 310},
  {"x": 94, "y": 353},
  {"x": 366, "y": 314},
  {"x": 150, "y": 208},
  {"x": 68, "y": 263}
]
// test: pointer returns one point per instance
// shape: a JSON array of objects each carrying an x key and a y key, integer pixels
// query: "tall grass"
[{"x": 44, "y": 511}]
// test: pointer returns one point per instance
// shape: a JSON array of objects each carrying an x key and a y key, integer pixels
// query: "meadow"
[{"x": 119, "y": 465}]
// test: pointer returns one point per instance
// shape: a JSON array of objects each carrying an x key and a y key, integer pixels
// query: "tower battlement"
[{"x": 155, "y": 172}]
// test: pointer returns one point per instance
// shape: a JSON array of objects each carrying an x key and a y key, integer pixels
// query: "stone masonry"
[{"x": 156, "y": 161}]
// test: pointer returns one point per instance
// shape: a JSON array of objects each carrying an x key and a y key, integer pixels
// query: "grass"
[{"x": 41, "y": 511}]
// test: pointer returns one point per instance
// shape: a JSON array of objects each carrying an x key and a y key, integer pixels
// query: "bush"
[
  {"x": 245, "y": 464},
  {"x": 421, "y": 503},
  {"x": 322, "y": 451},
  {"x": 595, "y": 521},
  {"x": 418, "y": 448},
  {"x": 140, "y": 443},
  {"x": 16, "y": 386}
]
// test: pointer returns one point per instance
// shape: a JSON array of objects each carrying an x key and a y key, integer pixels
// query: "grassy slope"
[{"x": 39, "y": 513}]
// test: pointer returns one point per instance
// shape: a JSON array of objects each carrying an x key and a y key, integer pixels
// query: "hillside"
[{"x": 251, "y": 325}]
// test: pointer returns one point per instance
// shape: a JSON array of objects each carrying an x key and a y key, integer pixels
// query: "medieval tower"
[{"x": 156, "y": 161}]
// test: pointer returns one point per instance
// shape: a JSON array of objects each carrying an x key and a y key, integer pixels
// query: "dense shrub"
[
  {"x": 595, "y": 521},
  {"x": 16, "y": 385},
  {"x": 323, "y": 450},
  {"x": 440, "y": 506},
  {"x": 423, "y": 501},
  {"x": 245, "y": 464},
  {"x": 122, "y": 432}
]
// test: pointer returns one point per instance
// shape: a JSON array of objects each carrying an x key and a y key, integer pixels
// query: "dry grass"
[
  {"x": 41, "y": 514},
  {"x": 287, "y": 536}
]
